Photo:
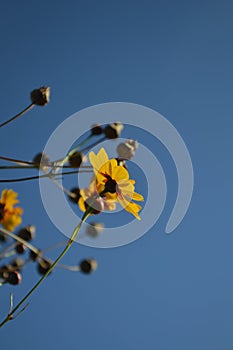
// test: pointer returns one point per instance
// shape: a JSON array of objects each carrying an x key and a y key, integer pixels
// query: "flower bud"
[
  {"x": 41, "y": 161},
  {"x": 27, "y": 233},
  {"x": 20, "y": 248},
  {"x": 75, "y": 195},
  {"x": 34, "y": 255},
  {"x": 113, "y": 131},
  {"x": 17, "y": 264},
  {"x": 125, "y": 151},
  {"x": 96, "y": 129},
  {"x": 76, "y": 159},
  {"x": 96, "y": 205},
  {"x": 87, "y": 266},
  {"x": 3, "y": 237},
  {"x": 40, "y": 97},
  {"x": 94, "y": 229},
  {"x": 43, "y": 266},
  {"x": 13, "y": 277}
]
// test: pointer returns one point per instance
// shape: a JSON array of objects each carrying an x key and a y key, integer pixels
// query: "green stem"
[
  {"x": 67, "y": 247},
  {"x": 18, "y": 115}
]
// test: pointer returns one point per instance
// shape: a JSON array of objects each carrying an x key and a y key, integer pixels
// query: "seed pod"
[
  {"x": 96, "y": 129},
  {"x": 87, "y": 266},
  {"x": 94, "y": 229},
  {"x": 76, "y": 195},
  {"x": 76, "y": 159},
  {"x": 113, "y": 131},
  {"x": 40, "y": 97},
  {"x": 20, "y": 248},
  {"x": 41, "y": 160},
  {"x": 43, "y": 266},
  {"x": 14, "y": 278},
  {"x": 27, "y": 233}
]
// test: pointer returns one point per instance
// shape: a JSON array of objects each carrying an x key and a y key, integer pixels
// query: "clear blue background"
[{"x": 161, "y": 292}]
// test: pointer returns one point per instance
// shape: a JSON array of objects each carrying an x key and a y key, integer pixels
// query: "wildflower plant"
[{"x": 110, "y": 184}]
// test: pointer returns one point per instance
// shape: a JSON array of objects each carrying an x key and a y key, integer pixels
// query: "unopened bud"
[
  {"x": 27, "y": 233},
  {"x": 76, "y": 159},
  {"x": 94, "y": 229},
  {"x": 14, "y": 277},
  {"x": 95, "y": 205},
  {"x": 96, "y": 129},
  {"x": 20, "y": 248},
  {"x": 87, "y": 266},
  {"x": 43, "y": 266},
  {"x": 40, "y": 97},
  {"x": 41, "y": 160},
  {"x": 113, "y": 131},
  {"x": 75, "y": 195},
  {"x": 125, "y": 151}
]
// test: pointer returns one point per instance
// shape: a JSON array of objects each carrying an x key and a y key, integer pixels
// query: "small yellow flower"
[
  {"x": 10, "y": 216},
  {"x": 113, "y": 182}
]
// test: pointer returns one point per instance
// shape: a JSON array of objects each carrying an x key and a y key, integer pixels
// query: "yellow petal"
[
  {"x": 120, "y": 173},
  {"x": 129, "y": 206},
  {"x": 138, "y": 197},
  {"x": 98, "y": 160},
  {"x": 81, "y": 204}
]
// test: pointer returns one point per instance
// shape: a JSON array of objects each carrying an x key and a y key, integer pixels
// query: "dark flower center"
[
  {"x": 110, "y": 185},
  {"x": 2, "y": 206}
]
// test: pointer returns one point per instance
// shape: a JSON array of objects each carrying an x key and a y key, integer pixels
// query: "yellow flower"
[
  {"x": 10, "y": 216},
  {"x": 113, "y": 182},
  {"x": 90, "y": 195}
]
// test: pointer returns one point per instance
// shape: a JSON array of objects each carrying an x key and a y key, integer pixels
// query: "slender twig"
[
  {"x": 67, "y": 247},
  {"x": 18, "y": 115},
  {"x": 17, "y": 161}
]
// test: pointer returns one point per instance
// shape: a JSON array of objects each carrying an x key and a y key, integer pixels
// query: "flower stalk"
[{"x": 11, "y": 313}]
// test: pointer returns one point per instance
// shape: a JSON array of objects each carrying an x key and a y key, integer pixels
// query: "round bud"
[
  {"x": 27, "y": 233},
  {"x": 96, "y": 205},
  {"x": 43, "y": 266},
  {"x": 125, "y": 151},
  {"x": 76, "y": 159},
  {"x": 20, "y": 248},
  {"x": 14, "y": 277},
  {"x": 41, "y": 160},
  {"x": 96, "y": 129},
  {"x": 88, "y": 265},
  {"x": 94, "y": 229},
  {"x": 113, "y": 131},
  {"x": 75, "y": 195},
  {"x": 33, "y": 255},
  {"x": 3, "y": 237},
  {"x": 17, "y": 263},
  {"x": 40, "y": 97}
]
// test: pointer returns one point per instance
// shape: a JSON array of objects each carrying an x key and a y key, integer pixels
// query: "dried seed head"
[
  {"x": 87, "y": 266},
  {"x": 13, "y": 277},
  {"x": 40, "y": 97},
  {"x": 20, "y": 248},
  {"x": 76, "y": 159},
  {"x": 96, "y": 129},
  {"x": 43, "y": 266},
  {"x": 41, "y": 160},
  {"x": 94, "y": 229},
  {"x": 96, "y": 205},
  {"x": 3, "y": 237},
  {"x": 34, "y": 256},
  {"x": 17, "y": 264},
  {"x": 125, "y": 151},
  {"x": 113, "y": 131},
  {"x": 27, "y": 233},
  {"x": 75, "y": 195}
]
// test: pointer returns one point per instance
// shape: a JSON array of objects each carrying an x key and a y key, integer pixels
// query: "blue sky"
[{"x": 160, "y": 292}]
